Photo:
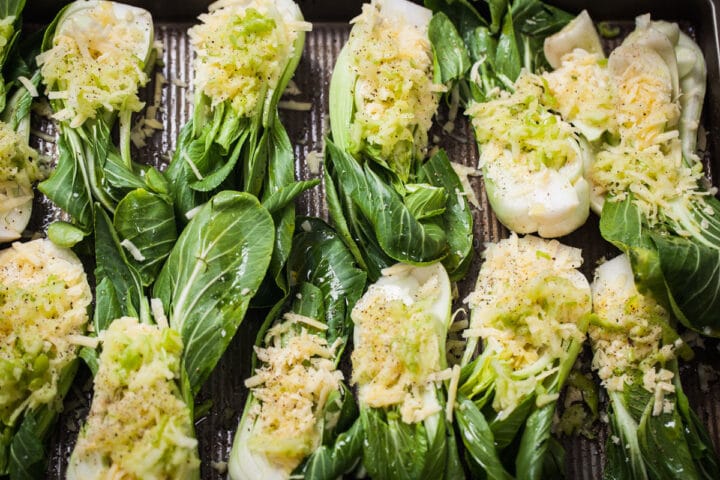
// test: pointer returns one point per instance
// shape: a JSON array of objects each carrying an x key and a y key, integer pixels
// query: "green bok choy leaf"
[
  {"x": 531, "y": 308},
  {"x": 298, "y": 403},
  {"x": 654, "y": 433},
  {"x": 152, "y": 363}
]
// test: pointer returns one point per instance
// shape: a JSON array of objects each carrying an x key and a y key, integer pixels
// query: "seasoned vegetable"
[
  {"x": 94, "y": 61},
  {"x": 383, "y": 94},
  {"x": 654, "y": 433},
  {"x": 531, "y": 308},
  {"x": 398, "y": 366},
  {"x": 44, "y": 301},
  {"x": 298, "y": 403},
  {"x": 139, "y": 425},
  {"x": 532, "y": 160},
  {"x": 247, "y": 52},
  {"x": 18, "y": 171},
  {"x": 18, "y": 161},
  {"x": 646, "y": 176}
]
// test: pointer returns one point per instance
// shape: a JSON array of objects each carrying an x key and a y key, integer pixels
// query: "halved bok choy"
[
  {"x": 298, "y": 413},
  {"x": 389, "y": 203},
  {"x": 532, "y": 161},
  {"x": 152, "y": 356},
  {"x": 139, "y": 425},
  {"x": 530, "y": 309},
  {"x": 19, "y": 167},
  {"x": 246, "y": 53},
  {"x": 654, "y": 433},
  {"x": 44, "y": 310},
  {"x": 95, "y": 58},
  {"x": 399, "y": 367},
  {"x": 647, "y": 179}
]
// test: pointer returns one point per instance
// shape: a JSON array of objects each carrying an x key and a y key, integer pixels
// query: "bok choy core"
[
  {"x": 94, "y": 60},
  {"x": 44, "y": 301},
  {"x": 398, "y": 365},
  {"x": 383, "y": 94},
  {"x": 532, "y": 160},
  {"x": 643, "y": 116},
  {"x": 139, "y": 425},
  {"x": 531, "y": 308},
  {"x": 654, "y": 433},
  {"x": 298, "y": 404}
]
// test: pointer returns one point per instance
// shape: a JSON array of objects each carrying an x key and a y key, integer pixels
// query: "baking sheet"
[{"x": 225, "y": 388}]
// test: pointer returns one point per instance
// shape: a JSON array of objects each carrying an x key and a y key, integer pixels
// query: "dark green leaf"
[
  {"x": 211, "y": 274},
  {"x": 330, "y": 462},
  {"x": 478, "y": 439},
  {"x": 457, "y": 217},
  {"x": 148, "y": 222},
  {"x": 393, "y": 449},
  {"x": 451, "y": 57},
  {"x": 113, "y": 268},
  {"x": 534, "y": 443},
  {"x": 68, "y": 187}
]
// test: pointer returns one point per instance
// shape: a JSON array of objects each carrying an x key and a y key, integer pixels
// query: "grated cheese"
[
  {"x": 629, "y": 341},
  {"x": 97, "y": 61},
  {"x": 292, "y": 385},
  {"x": 44, "y": 297},
  {"x": 528, "y": 301},
  {"x": 133, "y": 250},
  {"x": 29, "y": 86}
]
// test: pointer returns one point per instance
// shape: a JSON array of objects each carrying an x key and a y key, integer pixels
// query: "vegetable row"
[{"x": 181, "y": 255}]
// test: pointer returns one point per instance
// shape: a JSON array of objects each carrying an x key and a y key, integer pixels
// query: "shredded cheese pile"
[
  {"x": 138, "y": 426},
  {"x": 293, "y": 384},
  {"x": 646, "y": 160},
  {"x": 7, "y": 29},
  {"x": 628, "y": 345},
  {"x": 242, "y": 50},
  {"x": 527, "y": 303},
  {"x": 398, "y": 350},
  {"x": 395, "y": 96},
  {"x": 18, "y": 169},
  {"x": 94, "y": 63},
  {"x": 518, "y": 129},
  {"x": 581, "y": 89},
  {"x": 44, "y": 297}
]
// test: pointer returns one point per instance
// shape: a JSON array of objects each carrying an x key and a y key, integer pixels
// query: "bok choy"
[
  {"x": 646, "y": 177},
  {"x": 387, "y": 202},
  {"x": 298, "y": 403},
  {"x": 398, "y": 366},
  {"x": 44, "y": 302},
  {"x": 139, "y": 426},
  {"x": 155, "y": 355},
  {"x": 654, "y": 432},
  {"x": 19, "y": 167},
  {"x": 246, "y": 53},
  {"x": 94, "y": 60},
  {"x": 532, "y": 160},
  {"x": 531, "y": 308}
]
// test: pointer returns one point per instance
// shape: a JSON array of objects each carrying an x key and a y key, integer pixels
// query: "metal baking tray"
[{"x": 225, "y": 388}]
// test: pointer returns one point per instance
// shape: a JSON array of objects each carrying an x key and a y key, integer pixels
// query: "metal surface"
[{"x": 306, "y": 129}]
